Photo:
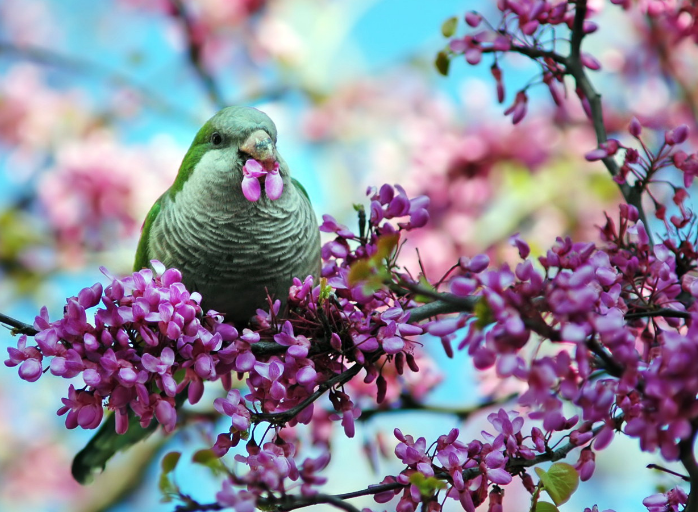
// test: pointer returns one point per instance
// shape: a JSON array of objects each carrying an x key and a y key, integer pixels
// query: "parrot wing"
[
  {"x": 301, "y": 188},
  {"x": 104, "y": 444},
  {"x": 142, "y": 253}
]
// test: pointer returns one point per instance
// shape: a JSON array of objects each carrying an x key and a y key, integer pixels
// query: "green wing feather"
[
  {"x": 301, "y": 188},
  {"x": 142, "y": 253},
  {"x": 106, "y": 442}
]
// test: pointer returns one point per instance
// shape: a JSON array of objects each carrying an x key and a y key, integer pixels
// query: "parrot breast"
[{"x": 233, "y": 251}]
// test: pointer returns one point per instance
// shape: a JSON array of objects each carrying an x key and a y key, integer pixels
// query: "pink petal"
[
  {"x": 251, "y": 189},
  {"x": 253, "y": 169},
  {"x": 274, "y": 185}
]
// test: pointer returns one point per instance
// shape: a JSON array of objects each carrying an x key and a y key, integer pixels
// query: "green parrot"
[{"x": 232, "y": 237}]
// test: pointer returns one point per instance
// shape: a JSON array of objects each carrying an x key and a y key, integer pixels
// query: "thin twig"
[
  {"x": 279, "y": 418},
  {"x": 194, "y": 52},
  {"x": 666, "y": 470},
  {"x": 47, "y": 57},
  {"x": 409, "y": 404},
  {"x": 17, "y": 326},
  {"x": 688, "y": 459},
  {"x": 665, "y": 312},
  {"x": 632, "y": 195}
]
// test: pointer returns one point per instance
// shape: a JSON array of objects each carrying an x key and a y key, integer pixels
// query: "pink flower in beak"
[{"x": 273, "y": 183}]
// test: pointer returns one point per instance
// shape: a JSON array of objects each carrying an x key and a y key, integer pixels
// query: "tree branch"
[
  {"x": 410, "y": 404},
  {"x": 279, "y": 418},
  {"x": 688, "y": 460},
  {"x": 46, "y": 57},
  {"x": 665, "y": 312},
  {"x": 194, "y": 47},
  {"x": 296, "y": 502},
  {"x": 17, "y": 326},
  {"x": 632, "y": 195}
]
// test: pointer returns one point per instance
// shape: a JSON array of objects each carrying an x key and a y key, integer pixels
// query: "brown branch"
[
  {"x": 194, "y": 52},
  {"x": 438, "y": 307},
  {"x": 46, "y": 57},
  {"x": 296, "y": 502},
  {"x": 17, "y": 326},
  {"x": 534, "y": 53},
  {"x": 279, "y": 418},
  {"x": 688, "y": 460},
  {"x": 665, "y": 312},
  {"x": 632, "y": 195},
  {"x": 410, "y": 404}
]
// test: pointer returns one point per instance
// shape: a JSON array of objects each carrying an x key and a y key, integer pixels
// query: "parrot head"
[{"x": 238, "y": 143}]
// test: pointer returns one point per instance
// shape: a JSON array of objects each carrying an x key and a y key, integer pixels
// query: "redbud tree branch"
[
  {"x": 408, "y": 403},
  {"x": 284, "y": 503},
  {"x": 194, "y": 51},
  {"x": 17, "y": 326},
  {"x": 51, "y": 58},
  {"x": 574, "y": 67},
  {"x": 279, "y": 418},
  {"x": 688, "y": 459},
  {"x": 290, "y": 502},
  {"x": 632, "y": 195},
  {"x": 296, "y": 502}
]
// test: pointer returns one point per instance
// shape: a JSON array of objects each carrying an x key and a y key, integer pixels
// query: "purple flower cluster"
[
  {"x": 449, "y": 458},
  {"x": 272, "y": 469},
  {"x": 670, "y": 501},
  {"x": 677, "y": 18},
  {"x": 580, "y": 299},
  {"x": 525, "y": 27},
  {"x": 148, "y": 328}
]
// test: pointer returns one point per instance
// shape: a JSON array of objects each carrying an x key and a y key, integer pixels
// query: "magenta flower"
[
  {"x": 239, "y": 501},
  {"x": 273, "y": 182},
  {"x": 83, "y": 408},
  {"x": 29, "y": 359},
  {"x": 233, "y": 406},
  {"x": 252, "y": 171}
]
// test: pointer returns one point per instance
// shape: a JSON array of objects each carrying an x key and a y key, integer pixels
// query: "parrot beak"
[{"x": 260, "y": 147}]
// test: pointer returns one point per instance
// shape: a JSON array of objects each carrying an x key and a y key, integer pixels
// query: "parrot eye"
[{"x": 216, "y": 139}]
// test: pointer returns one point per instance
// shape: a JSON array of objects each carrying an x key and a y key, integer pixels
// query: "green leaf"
[
  {"x": 483, "y": 314},
  {"x": 427, "y": 486},
  {"x": 544, "y": 506},
  {"x": 169, "y": 461},
  {"x": 167, "y": 487},
  {"x": 209, "y": 459},
  {"x": 372, "y": 272},
  {"x": 359, "y": 271},
  {"x": 448, "y": 27},
  {"x": 325, "y": 290},
  {"x": 424, "y": 299},
  {"x": 442, "y": 62},
  {"x": 385, "y": 246},
  {"x": 560, "y": 481}
]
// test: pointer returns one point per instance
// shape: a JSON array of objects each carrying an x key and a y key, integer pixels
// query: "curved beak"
[{"x": 260, "y": 147}]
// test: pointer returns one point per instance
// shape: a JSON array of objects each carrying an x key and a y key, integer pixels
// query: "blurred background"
[{"x": 100, "y": 100}]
